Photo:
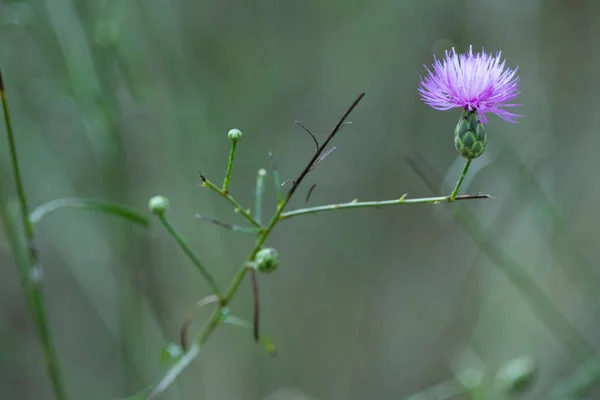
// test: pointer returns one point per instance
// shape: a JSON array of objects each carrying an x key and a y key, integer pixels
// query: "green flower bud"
[
  {"x": 235, "y": 134},
  {"x": 516, "y": 375},
  {"x": 469, "y": 136},
  {"x": 170, "y": 354},
  {"x": 266, "y": 260},
  {"x": 158, "y": 204}
]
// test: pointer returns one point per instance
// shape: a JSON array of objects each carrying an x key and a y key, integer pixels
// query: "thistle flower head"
[{"x": 476, "y": 82}]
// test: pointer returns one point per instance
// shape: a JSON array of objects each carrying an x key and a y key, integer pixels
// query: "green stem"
[
  {"x": 460, "y": 181},
  {"x": 31, "y": 282},
  {"x": 52, "y": 363},
  {"x": 229, "y": 167},
  {"x": 238, "y": 207},
  {"x": 367, "y": 204},
  {"x": 98, "y": 205},
  {"x": 216, "y": 317},
  {"x": 26, "y": 260},
  {"x": 190, "y": 253},
  {"x": 237, "y": 279},
  {"x": 259, "y": 193},
  {"x": 175, "y": 370},
  {"x": 29, "y": 233}
]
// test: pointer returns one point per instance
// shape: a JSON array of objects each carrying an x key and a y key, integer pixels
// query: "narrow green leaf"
[
  {"x": 233, "y": 320},
  {"x": 97, "y": 205},
  {"x": 259, "y": 194},
  {"x": 242, "y": 323},
  {"x": 231, "y": 227}
]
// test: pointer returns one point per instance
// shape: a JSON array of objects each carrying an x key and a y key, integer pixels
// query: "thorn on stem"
[
  {"x": 1, "y": 82},
  {"x": 310, "y": 190},
  {"x": 321, "y": 148},
  {"x": 474, "y": 196},
  {"x": 310, "y": 133},
  {"x": 323, "y": 157},
  {"x": 344, "y": 124}
]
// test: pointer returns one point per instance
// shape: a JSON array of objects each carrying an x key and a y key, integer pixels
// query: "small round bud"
[
  {"x": 262, "y": 172},
  {"x": 469, "y": 136},
  {"x": 234, "y": 134},
  {"x": 266, "y": 260},
  {"x": 158, "y": 204},
  {"x": 170, "y": 353},
  {"x": 516, "y": 375}
]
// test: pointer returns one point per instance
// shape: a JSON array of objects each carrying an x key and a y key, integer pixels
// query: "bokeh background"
[{"x": 122, "y": 100}]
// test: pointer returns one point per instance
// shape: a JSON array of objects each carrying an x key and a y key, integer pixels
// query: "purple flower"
[{"x": 475, "y": 82}]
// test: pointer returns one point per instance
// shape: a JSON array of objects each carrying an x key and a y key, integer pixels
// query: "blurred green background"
[{"x": 122, "y": 100}]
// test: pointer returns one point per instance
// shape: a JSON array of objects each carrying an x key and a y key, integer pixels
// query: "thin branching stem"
[
  {"x": 217, "y": 316},
  {"x": 377, "y": 204},
  {"x": 238, "y": 208},
  {"x": 227, "y": 179}
]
